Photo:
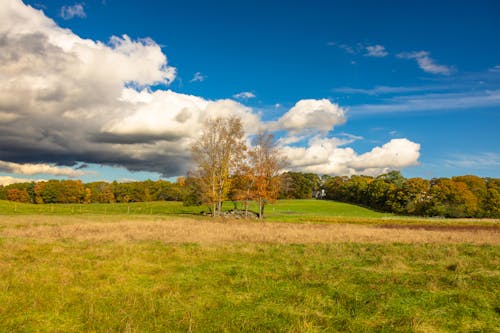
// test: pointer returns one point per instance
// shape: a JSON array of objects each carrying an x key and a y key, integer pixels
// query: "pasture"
[{"x": 66, "y": 270}]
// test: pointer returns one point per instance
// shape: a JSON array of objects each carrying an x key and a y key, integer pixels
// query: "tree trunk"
[{"x": 261, "y": 208}]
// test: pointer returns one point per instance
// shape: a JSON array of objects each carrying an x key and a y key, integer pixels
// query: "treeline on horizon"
[{"x": 461, "y": 196}]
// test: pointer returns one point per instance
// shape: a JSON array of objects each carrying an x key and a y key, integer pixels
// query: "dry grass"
[{"x": 185, "y": 230}]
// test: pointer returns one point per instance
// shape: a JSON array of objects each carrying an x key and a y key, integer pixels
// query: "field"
[{"x": 154, "y": 268}]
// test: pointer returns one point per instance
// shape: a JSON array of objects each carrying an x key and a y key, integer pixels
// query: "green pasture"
[
  {"x": 69, "y": 286},
  {"x": 302, "y": 211},
  {"x": 281, "y": 209}
]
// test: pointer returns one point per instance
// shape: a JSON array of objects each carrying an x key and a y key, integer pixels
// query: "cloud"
[
  {"x": 65, "y": 101},
  {"x": 324, "y": 156},
  {"x": 426, "y": 63},
  {"x": 376, "y": 51},
  {"x": 198, "y": 77},
  {"x": 34, "y": 169},
  {"x": 434, "y": 101},
  {"x": 244, "y": 95},
  {"x": 69, "y": 12},
  {"x": 311, "y": 116},
  {"x": 59, "y": 94},
  {"x": 386, "y": 90},
  {"x": 7, "y": 180},
  {"x": 484, "y": 160},
  {"x": 495, "y": 69},
  {"x": 347, "y": 48}
]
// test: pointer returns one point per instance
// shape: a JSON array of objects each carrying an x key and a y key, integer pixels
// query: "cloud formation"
[
  {"x": 69, "y": 12},
  {"x": 66, "y": 100},
  {"x": 198, "y": 77},
  {"x": 311, "y": 116},
  {"x": 326, "y": 156},
  {"x": 34, "y": 169},
  {"x": 432, "y": 101},
  {"x": 425, "y": 62},
  {"x": 244, "y": 95},
  {"x": 7, "y": 180},
  {"x": 378, "y": 51}
]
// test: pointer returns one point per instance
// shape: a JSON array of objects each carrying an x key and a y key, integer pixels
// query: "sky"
[{"x": 119, "y": 90}]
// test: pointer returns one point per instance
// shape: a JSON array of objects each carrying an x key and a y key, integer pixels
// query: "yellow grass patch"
[{"x": 181, "y": 230}]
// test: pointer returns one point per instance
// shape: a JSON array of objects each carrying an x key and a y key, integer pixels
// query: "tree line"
[
  {"x": 74, "y": 191},
  {"x": 461, "y": 196}
]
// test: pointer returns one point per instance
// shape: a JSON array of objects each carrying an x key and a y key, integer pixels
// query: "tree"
[
  {"x": 216, "y": 153},
  {"x": 451, "y": 199},
  {"x": 14, "y": 194},
  {"x": 266, "y": 162}
]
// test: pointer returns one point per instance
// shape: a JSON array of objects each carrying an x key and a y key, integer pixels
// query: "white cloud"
[
  {"x": 323, "y": 156},
  {"x": 426, "y": 63},
  {"x": 428, "y": 102},
  {"x": 69, "y": 12},
  {"x": 65, "y": 99},
  {"x": 34, "y": 169},
  {"x": 198, "y": 77},
  {"x": 482, "y": 160},
  {"x": 387, "y": 90},
  {"x": 376, "y": 51},
  {"x": 244, "y": 95},
  {"x": 7, "y": 180},
  {"x": 311, "y": 116}
]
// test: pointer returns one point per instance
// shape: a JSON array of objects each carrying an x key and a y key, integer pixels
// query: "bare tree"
[{"x": 220, "y": 146}]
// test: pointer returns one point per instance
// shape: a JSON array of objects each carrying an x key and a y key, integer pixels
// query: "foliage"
[
  {"x": 265, "y": 162},
  {"x": 298, "y": 185},
  {"x": 74, "y": 191},
  {"x": 216, "y": 153},
  {"x": 464, "y": 196}
]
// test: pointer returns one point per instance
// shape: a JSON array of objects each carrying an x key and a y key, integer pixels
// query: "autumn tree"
[
  {"x": 216, "y": 153},
  {"x": 266, "y": 163},
  {"x": 14, "y": 194},
  {"x": 242, "y": 184}
]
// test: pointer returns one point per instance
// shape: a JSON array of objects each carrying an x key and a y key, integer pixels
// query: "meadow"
[{"x": 156, "y": 267}]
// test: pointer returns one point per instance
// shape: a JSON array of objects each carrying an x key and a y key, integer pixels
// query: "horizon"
[{"x": 347, "y": 87}]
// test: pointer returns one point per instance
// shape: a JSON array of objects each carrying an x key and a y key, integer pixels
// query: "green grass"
[
  {"x": 69, "y": 286},
  {"x": 137, "y": 208},
  {"x": 282, "y": 210},
  {"x": 302, "y": 211}
]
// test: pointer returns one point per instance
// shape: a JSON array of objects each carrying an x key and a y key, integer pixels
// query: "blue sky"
[{"x": 424, "y": 71}]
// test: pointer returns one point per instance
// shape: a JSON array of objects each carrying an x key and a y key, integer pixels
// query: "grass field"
[
  {"x": 293, "y": 210},
  {"x": 69, "y": 271},
  {"x": 303, "y": 211}
]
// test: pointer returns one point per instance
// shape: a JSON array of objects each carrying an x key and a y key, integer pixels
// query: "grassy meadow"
[
  {"x": 156, "y": 267},
  {"x": 292, "y": 210}
]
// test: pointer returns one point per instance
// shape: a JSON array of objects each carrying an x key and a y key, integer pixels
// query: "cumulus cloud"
[
  {"x": 244, "y": 95},
  {"x": 378, "y": 51},
  {"x": 69, "y": 12},
  {"x": 34, "y": 169},
  {"x": 312, "y": 115},
  {"x": 325, "y": 156},
  {"x": 66, "y": 100},
  {"x": 425, "y": 62}
]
